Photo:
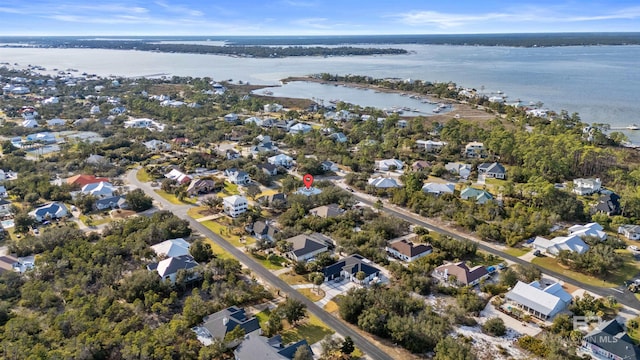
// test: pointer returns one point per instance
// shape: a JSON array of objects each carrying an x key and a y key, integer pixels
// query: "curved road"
[{"x": 365, "y": 345}]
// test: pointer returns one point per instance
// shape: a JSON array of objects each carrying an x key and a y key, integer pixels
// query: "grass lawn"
[
  {"x": 194, "y": 212},
  {"x": 173, "y": 199},
  {"x": 94, "y": 219},
  {"x": 312, "y": 329},
  {"x": 224, "y": 231},
  {"x": 612, "y": 280},
  {"x": 272, "y": 263},
  {"x": 218, "y": 250},
  {"x": 292, "y": 278},
  {"x": 311, "y": 294},
  {"x": 486, "y": 259},
  {"x": 143, "y": 176},
  {"x": 517, "y": 252},
  {"x": 230, "y": 189},
  {"x": 331, "y": 307},
  {"x": 263, "y": 316}
]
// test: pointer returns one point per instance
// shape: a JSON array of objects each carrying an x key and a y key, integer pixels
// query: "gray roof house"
[
  {"x": 113, "y": 202},
  {"x": 256, "y": 346},
  {"x": 169, "y": 267},
  {"x": 217, "y": 325},
  {"x": 237, "y": 176},
  {"x": 543, "y": 303},
  {"x": 54, "y": 210},
  {"x": 461, "y": 272},
  {"x": 264, "y": 231},
  {"x": 349, "y": 267},
  {"x": 327, "y": 211},
  {"x": 609, "y": 341},
  {"x": 305, "y": 247},
  {"x": 631, "y": 232},
  {"x": 493, "y": 170}
]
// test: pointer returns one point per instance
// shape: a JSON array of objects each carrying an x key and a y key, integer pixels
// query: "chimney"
[{"x": 225, "y": 321}]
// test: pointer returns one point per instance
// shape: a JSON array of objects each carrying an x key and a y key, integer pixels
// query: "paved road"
[
  {"x": 365, "y": 345},
  {"x": 624, "y": 297}
]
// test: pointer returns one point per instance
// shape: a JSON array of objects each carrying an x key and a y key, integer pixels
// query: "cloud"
[
  {"x": 179, "y": 9},
  {"x": 523, "y": 14},
  {"x": 300, "y": 3}
]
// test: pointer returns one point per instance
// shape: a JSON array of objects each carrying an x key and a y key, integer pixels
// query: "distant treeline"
[{"x": 232, "y": 50}]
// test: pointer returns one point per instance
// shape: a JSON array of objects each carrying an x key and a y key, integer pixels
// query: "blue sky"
[{"x": 312, "y": 17}]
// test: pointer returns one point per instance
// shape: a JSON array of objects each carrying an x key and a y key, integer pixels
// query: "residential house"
[
  {"x": 255, "y": 346},
  {"x": 300, "y": 128},
  {"x": 277, "y": 199},
  {"x": 383, "y": 182},
  {"x": 236, "y": 176},
  {"x": 305, "y": 247},
  {"x": 182, "y": 142},
  {"x": 541, "y": 302},
  {"x": 609, "y": 341},
  {"x": 388, "y": 164},
  {"x": 464, "y": 170},
  {"x": 95, "y": 159},
  {"x": 406, "y": 250},
  {"x": 268, "y": 169},
  {"x": 430, "y": 145},
  {"x": 420, "y": 165},
  {"x": 95, "y": 109},
  {"x": 114, "y": 202},
  {"x": 231, "y": 118},
  {"x": 339, "y": 137},
  {"x": 571, "y": 243},
  {"x": 3, "y": 192},
  {"x": 592, "y": 229},
  {"x": 56, "y": 122},
  {"x": 54, "y": 210},
  {"x": 493, "y": 170},
  {"x": 178, "y": 176},
  {"x": 118, "y": 110},
  {"x": 171, "y": 248},
  {"x": 402, "y": 124},
  {"x": 459, "y": 273},
  {"x": 217, "y": 325},
  {"x": 264, "y": 231},
  {"x": 228, "y": 154},
  {"x": 101, "y": 189},
  {"x": 157, "y": 145},
  {"x": 200, "y": 186},
  {"x": 474, "y": 149},
  {"x": 45, "y": 137},
  {"x": 169, "y": 267},
  {"x": 5, "y": 207},
  {"x": 30, "y": 124},
  {"x": 234, "y": 205},
  {"x": 253, "y": 120},
  {"x": 281, "y": 160},
  {"x": 284, "y": 125},
  {"x": 586, "y": 186},
  {"x": 144, "y": 123},
  {"x": 329, "y": 166},
  {"x": 609, "y": 204},
  {"x": 9, "y": 263},
  {"x": 438, "y": 188},
  {"x": 349, "y": 267},
  {"x": 82, "y": 180},
  {"x": 327, "y": 211},
  {"x": 631, "y": 232},
  {"x": 273, "y": 107},
  {"x": 477, "y": 195}
]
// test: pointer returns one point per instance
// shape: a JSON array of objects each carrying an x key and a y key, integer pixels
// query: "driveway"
[
  {"x": 332, "y": 289},
  {"x": 517, "y": 325}
]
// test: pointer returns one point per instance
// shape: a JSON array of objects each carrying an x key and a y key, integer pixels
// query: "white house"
[
  {"x": 591, "y": 229},
  {"x": 236, "y": 176},
  {"x": 234, "y": 205},
  {"x": 231, "y": 118},
  {"x": 273, "y": 107},
  {"x": 300, "y": 128},
  {"x": 144, "y": 123},
  {"x": 541, "y": 302},
  {"x": 464, "y": 170},
  {"x": 171, "y": 248},
  {"x": 586, "y": 186},
  {"x": 438, "y": 188},
  {"x": 281, "y": 160},
  {"x": 308, "y": 191},
  {"x": 571, "y": 243},
  {"x": 157, "y": 145},
  {"x": 383, "y": 183},
  {"x": 430, "y": 145},
  {"x": 30, "y": 124},
  {"x": 95, "y": 109},
  {"x": 474, "y": 148},
  {"x": 387, "y": 164},
  {"x": 100, "y": 189},
  {"x": 54, "y": 210},
  {"x": 631, "y": 232},
  {"x": 169, "y": 267},
  {"x": 178, "y": 176},
  {"x": 56, "y": 122}
]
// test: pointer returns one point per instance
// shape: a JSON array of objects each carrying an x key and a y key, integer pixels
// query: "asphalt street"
[{"x": 365, "y": 345}]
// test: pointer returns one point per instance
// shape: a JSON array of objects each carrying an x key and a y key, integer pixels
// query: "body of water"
[{"x": 598, "y": 82}]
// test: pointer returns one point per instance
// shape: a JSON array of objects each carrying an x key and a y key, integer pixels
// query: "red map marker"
[{"x": 307, "y": 180}]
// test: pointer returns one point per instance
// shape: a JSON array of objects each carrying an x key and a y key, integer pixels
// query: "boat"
[
  {"x": 633, "y": 127},
  {"x": 267, "y": 92}
]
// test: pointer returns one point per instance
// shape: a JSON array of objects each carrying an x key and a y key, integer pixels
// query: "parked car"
[{"x": 537, "y": 253}]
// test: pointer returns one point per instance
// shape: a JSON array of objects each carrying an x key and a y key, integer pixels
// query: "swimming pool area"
[{"x": 7, "y": 223}]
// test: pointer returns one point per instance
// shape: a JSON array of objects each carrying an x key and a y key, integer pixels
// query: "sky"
[{"x": 313, "y": 17}]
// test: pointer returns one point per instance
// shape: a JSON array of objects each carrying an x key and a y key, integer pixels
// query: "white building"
[
  {"x": 383, "y": 183},
  {"x": 586, "y": 186},
  {"x": 438, "y": 188},
  {"x": 631, "y": 232},
  {"x": 234, "y": 205},
  {"x": 171, "y": 248},
  {"x": 474, "y": 148},
  {"x": 591, "y": 229},
  {"x": 281, "y": 160},
  {"x": 571, "y": 243},
  {"x": 543, "y": 303},
  {"x": 101, "y": 189},
  {"x": 430, "y": 145},
  {"x": 387, "y": 164}
]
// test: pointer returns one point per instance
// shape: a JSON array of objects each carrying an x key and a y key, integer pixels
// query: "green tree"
[
  {"x": 347, "y": 346},
  {"x": 293, "y": 310},
  {"x": 235, "y": 334},
  {"x": 201, "y": 251},
  {"x": 22, "y": 222},
  {"x": 453, "y": 349},
  {"x": 138, "y": 200},
  {"x": 303, "y": 353},
  {"x": 273, "y": 325},
  {"x": 494, "y": 326}
]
